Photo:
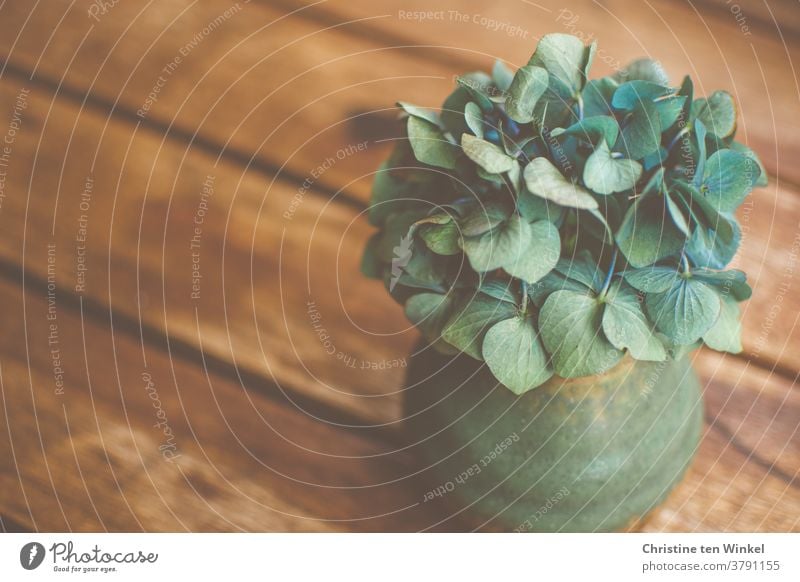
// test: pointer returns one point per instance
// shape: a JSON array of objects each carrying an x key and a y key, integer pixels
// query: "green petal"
[
  {"x": 487, "y": 155},
  {"x": 502, "y": 75},
  {"x": 386, "y": 189},
  {"x": 499, "y": 290},
  {"x": 641, "y": 134},
  {"x": 677, "y": 215},
  {"x": 685, "y": 311},
  {"x": 484, "y": 218},
  {"x": 468, "y": 324},
  {"x": 395, "y": 234},
  {"x": 716, "y": 235},
  {"x": 643, "y": 70},
  {"x": 733, "y": 282},
  {"x": 743, "y": 149},
  {"x": 729, "y": 176},
  {"x": 725, "y": 334},
  {"x": 514, "y": 353},
  {"x": 571, "y": 327},
  {"x": 539, "y": 255},
  {"x": 442, "y": 239},
  {"x": 453, "y": 112},
  {"x": 430, "y": 145},
  {"x": 500, "y": 246},
  {"x": 565, "y": 57},
  {"x": 477, "y": 85},
  {"x": 718, "y": 113},
  {"x": 474, "y": 119},
  {"x": 529, "y": 84},
  {"x": 635, "y": 92},
  {"x": 652, "y": 279},
  {"x": 555, "y": 281},
  {"x": 700, "y": 133},
  {"x": 545, "y": 180},
  {"x": 428, "y": 115},
  {"x": 526, "y": 251},
  {"x": 626, "y": 326},
  {"x": 555, "y": 107},
  {"x": 422, "y": 270},
  {"x": 592, "y": 129},
  {"x": 597, "y": 97},
  {"x": 582, "y": 268},
  {"x": 606, "y": 175},
  {"x": 534, "y": 208},
  {"x": 714, "y": 244},
  {"x": 429, "y": 312},
  {"x": 646, "y": 234}
]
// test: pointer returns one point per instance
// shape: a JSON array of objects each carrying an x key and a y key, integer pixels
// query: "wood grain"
[
  {"x": 191, "y": 451},
  {"x": 260, "y": 270},
  {"x": 767, "y": 17},
  {"x": 755, "y": 65},
  {"x": 723, "y": 492},
  {"x": 267, "y": 247},
  {"x": 160, "y": 263},
  {"x": 292, "y": 92},
  {"x": 89, "y": 459},
  {"x": 756, "y": 410}
]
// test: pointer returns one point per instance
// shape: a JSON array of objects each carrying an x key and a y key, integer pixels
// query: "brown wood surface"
[
  {"x": 259, "y": 325},
  {"x": 259, "y": 114},
  {"x": 779, "y": 17},
  {"x": 282, "y": 89},
  {"x": 92, "y": 457}
]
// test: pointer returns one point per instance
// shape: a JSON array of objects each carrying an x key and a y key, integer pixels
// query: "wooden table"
[{"x": 187, "y": 342}]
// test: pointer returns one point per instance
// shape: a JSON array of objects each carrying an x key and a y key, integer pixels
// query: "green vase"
[{"x": 584, "y": 454}]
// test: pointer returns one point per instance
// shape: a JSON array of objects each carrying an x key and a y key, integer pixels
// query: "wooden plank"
[
  {"x": 723, "y": 492},
  {"x": 747, "y": 473},
  {"x": 136, "y": 202},
  {"x": 784, "y": 502},
  {"x": 117, "y": 202},
  {"x": 141, "y": 212},
  {"x": 710, "y": 45},
  {"x": 8, "y": 525},
  {"x": 776, "y": 17},
  {"x": 768, "y": 257},
  {"x": 92, "y": 460},
  {"x": 755, "y": 409},
  {"x": 161, "y": 446},
  {"x": 295, "y": 92},
  {"x": 769, "y": 252},
  {"x": 308, "y": 80}
]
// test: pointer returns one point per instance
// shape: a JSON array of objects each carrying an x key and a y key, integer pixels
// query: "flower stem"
[
  {"x": 685, "y": 262},
  {"x": 686, "y": 129},
  {"x": 524, "y": 298},
  {"x": 610, "y": 274},
  {"x": 511, "y": 188}
]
